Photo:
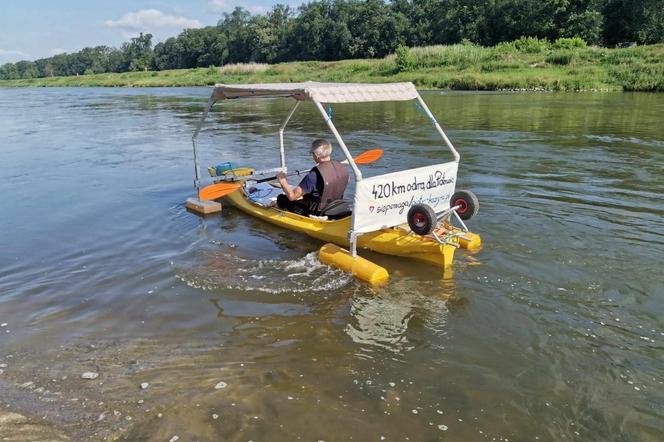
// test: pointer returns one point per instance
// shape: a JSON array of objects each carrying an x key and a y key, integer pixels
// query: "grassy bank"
[{"x": 463, "y": 67}]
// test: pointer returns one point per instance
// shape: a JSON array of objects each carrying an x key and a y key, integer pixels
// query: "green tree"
[
  {"x": 587, "y": 25},
  {"x": 419, "y": 16},
  {"x": 320, "y": 32},
  {"x": 651, "y": 29},
  {"x": 193, "y": 48},
  {"x": 376, "y": 29},
  {"x": 167, "y": 55},
  {"x": 338, "y": 29},
  {"x": 267, "y": 35},
  {"x": 236, "y": 28},
  {"x": 633, "y": 20},
  {"x": 8, "y": 72},
  {"x": 26, "y": 69},
  {"x": 60, "y": 65},
  {"x": 137, "y": 53},
  {"x": 44, "y": 68}
]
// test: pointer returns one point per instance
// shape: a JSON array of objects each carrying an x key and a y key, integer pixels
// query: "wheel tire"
[
  {"x": 468, "y": 201},
  {"x": 421, "y": 219}
]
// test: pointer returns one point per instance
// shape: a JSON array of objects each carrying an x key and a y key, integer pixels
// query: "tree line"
[{"x": 329, "y": 30}]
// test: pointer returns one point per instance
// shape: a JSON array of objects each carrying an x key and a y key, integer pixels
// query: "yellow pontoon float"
[{"x": 406, "y": 213}]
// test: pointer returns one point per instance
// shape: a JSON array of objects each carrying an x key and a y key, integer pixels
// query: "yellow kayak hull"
[{"x": 392, "y": 241}]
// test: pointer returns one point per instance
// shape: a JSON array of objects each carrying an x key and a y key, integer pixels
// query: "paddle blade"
[
  {"x": 215, "y": 191},
  {"x": 369, "y": 156}
]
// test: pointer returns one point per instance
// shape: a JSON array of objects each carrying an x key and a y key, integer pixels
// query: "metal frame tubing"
[
  {"x": 281, "y": 135},
  {"x": 457, "y": 157},
  {"x": 352, "y": 236},
  {"x": 194, "y": 138},
  {"x": 351, "y": 162}
]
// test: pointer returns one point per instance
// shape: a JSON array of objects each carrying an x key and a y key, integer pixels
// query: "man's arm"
[{"x": 294, "y": 193}]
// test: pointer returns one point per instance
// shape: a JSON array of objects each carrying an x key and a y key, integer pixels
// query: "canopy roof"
[{"x": 320, "y": 92}]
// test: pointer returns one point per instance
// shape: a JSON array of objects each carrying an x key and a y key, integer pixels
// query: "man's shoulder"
[{"x": 308, "y": 183}]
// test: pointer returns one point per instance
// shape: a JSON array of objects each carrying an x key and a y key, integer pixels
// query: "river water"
[{"x": 554, "y": 330}]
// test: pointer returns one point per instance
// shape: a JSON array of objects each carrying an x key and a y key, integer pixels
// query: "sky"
[{"x": 32, "y": 29}]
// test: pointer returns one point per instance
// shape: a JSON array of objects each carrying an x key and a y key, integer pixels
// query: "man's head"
[{"x": 321, "y": 150}]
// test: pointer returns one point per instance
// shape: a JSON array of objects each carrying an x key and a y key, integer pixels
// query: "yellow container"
[
  {"x": 240, "y": 171},
  {"x": 332, "y": 254},
  {"x": 471, "y": 241}
]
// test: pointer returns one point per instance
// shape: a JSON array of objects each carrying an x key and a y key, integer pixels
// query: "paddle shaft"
[
  {"x": 297, "y": 172},
  {"x": 219, "y": 190}
]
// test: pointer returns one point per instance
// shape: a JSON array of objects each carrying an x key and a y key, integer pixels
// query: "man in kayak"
[{"x": 324, "y": 183}]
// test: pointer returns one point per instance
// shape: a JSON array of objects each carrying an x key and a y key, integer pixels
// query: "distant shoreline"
[{"x": 456, "y": 67}]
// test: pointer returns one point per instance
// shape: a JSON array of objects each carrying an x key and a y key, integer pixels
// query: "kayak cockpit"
[{"x": 265, "y": 195}]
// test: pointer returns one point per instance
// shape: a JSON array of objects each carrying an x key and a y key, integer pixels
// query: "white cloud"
[
  {"x": 10, "y": 52},
  {"x": 12, "y": 55},
  {"x": 257, "y": 9},
  {"x": 218, "y": 5},
  {"x": 228, "y": 6},
  {"x": 57, "y": 51},
  {"x": 149, "y": 19}
]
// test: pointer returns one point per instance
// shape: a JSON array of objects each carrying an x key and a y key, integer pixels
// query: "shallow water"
[{"x": 552, "y": 331}]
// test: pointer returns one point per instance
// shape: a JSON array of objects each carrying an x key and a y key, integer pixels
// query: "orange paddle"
[
  {"x": 369, "y": 156},
  {"x": 219, "y": 190},
  {"x": 215, "y": 191}
]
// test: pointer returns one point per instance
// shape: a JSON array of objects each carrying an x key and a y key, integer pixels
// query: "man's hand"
[
  {"x": 281, "y": 177},
  {"x": 292, "y": 194}
]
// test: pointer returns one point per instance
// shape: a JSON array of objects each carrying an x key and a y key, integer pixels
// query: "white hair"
[{"x": 321, "y": 148}]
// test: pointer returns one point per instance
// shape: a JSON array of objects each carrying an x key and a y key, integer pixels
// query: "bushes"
[
  {"x": 569, "y": 43},
  {"x": 531, "y": 45},
  {"x": 463, "y": 56},
  {"x": 565, "y": 50},
  {"x": 527, "y": 45},
  {"x": 508, "y": 55},
  {"x": 639, "y": 77},
  {"x": 242, "y": 68},
  {"x": 534, "y": 45},
  {"x": 457, "y": 66},
  {"x": 404, "y": 59},
  {"x": 562, "y": 57}
]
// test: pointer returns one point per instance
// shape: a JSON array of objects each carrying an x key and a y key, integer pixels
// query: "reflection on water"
[
  {"x": 387, "y": 319},
  {"x": 552, "y": 331},
  {"x": 380, "y": 323}
]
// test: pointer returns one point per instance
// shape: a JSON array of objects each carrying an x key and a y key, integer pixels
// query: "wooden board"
[{"x": 203, "y": 207}]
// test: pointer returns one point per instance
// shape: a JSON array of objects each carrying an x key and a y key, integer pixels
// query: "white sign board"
[{"x": 383, "y": 201}]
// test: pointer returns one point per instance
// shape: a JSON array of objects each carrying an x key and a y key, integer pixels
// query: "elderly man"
[{"x": 323, "y": 184}]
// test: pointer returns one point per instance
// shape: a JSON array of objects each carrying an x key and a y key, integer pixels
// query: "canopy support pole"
[
  {"x": 351, "y": 162},
  {"x": 281, "y": 135},
  {"x": 457, "y": 157},
  {"x": 352, "y": 236},
  {"x": 194, "y": 142}
]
